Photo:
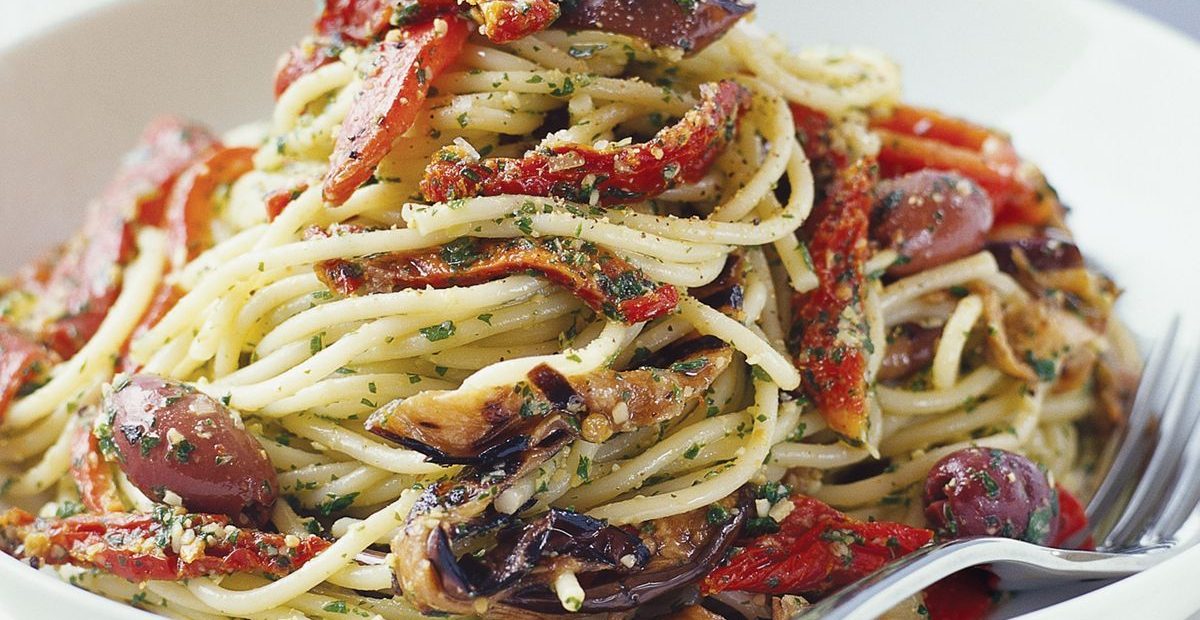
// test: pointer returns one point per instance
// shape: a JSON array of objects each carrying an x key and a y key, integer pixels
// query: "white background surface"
[{"x": 1065, "y": 62}]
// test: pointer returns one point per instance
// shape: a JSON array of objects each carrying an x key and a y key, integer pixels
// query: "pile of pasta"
[{"x": 554, "y": 278}]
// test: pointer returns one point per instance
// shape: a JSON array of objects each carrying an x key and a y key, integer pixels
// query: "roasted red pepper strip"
[
  {"x": 138, "y": 547},
  {"x": 23, "y": 360},
  {"x": 602, "y": 280},
  {"x": 817, "y": 549},
  {"x": 505, "y": 21},
  {"x": 302, "y": 60},
  {"x": 359, "y": 21},
  {"x": 830, "y": 333},
  {"x": 86, "y": 280},
  {"x": 92, "y": 474},
  {"x": 190, "y": 209},
  {"x": 408, "y": 12},
  {"x": 363, "y": 21},
  {"x": 931, "y": 124},
  {"x": 167, "y": 147},
  {"x": 391, "y": 98},
  {"x": 681, "y": 153},
  {"x": 815, "y": 130},
  {"x": 164, "y": 299},
  {"x": 965, "y": 595},
  {"x": 279, "y": 199},
  {"x": 1072, "y": 519},
  {"x": 917, "y": 138}
]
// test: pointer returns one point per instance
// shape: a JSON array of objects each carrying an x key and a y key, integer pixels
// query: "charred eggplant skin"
[{"x": 627, "y": 592}]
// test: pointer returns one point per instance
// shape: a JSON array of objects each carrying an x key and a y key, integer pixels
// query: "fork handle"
[{"x": 1019, "y": 565}]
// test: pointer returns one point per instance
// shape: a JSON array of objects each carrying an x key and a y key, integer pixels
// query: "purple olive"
[
  {"x": 1046, "y": 252},
  {"x": 930, "y": 218},
  {"x": 174, "y": 441},
  {"x": 690, "y": 26},
  {"x": 989, "y": 492},
  {"x": 910, "y": 348}
]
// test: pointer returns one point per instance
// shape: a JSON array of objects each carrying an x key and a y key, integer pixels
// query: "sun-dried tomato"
[
  {"x": 139, "y": 547},
  {"x": 392, "y": 95},
  {"x": 23, "y": 361},
  {"x": 681, "y": 153},
  {"x": 601, "y": 279},
  {"x": 830, "y": 335},
  {"x": 816, "y": 550}
]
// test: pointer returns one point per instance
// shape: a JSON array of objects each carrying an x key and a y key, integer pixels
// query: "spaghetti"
[{"x": 534, "y": 321}]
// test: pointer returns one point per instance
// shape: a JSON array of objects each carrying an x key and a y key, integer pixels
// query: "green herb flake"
[
  {"x": 441, "y": 331},
  {"x": 337, "y": 607},
  {"x": 717, "y": 515},
  {"x": 68, "y": 508},
  {"x": 583, "y": 470},
  {"x": 336, "y": 503}
]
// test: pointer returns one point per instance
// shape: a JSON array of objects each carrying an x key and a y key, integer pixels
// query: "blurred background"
[{"x": 1183, "y": 14}]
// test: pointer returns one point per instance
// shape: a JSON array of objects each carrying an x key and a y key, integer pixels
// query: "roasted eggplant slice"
[{"x": 481, "y": 426}]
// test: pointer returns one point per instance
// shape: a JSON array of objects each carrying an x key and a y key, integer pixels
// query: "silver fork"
[{"x": 1146, "y": 509}]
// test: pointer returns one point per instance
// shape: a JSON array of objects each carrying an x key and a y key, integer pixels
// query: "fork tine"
[
  {"x": 1113, "y": 494},
  {"x": 1159, "y": 482},
  {"x": 1185, "y": 498}
]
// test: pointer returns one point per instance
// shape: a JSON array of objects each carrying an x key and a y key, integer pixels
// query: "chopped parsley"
[
  {"x": 336, "y": 503},
  {"x": 337, "y": 607},
  {"x": 583, "y": 470},
  {"x": 441, "y": 331},
  {"x": 182, "y": 450},
  {"x": 717, "y": 515},
  {"x": 68, "y": 508}
]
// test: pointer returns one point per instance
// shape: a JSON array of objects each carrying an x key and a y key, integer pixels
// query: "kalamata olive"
[
  {"x": 930, "y": 218},
  {"x": 1045, "y": 252},
  {"x": 690, "y": 26},
  {"x": 910, "y": 348},
  {"x": 990, "y": 492},
  {"x": 173, "y": 441}
]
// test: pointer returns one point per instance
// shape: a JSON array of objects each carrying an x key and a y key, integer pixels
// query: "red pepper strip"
[
  {"x": 681, "y": 153},
  {"x": 830, "y": 332},
  {"x": 917, "y": 138},
  {"x": 816, "y": 550},
  {"x": 164, "y": 299},
  {"x": 137, "y": 547},
  {"x": 815, "y": 130},
  {"x": 278, "y": 200},
  {"x": 190, "y": 208},
  {"x": 408, "y": 12},
  {"x": 363, "y": 21},
  {"x": 391, "y": 97},
  {"x": 92, "y": 474},
  {"x": 927, "y": 123},
  {"x": 359, "y": 21},
  {"x": 86, "y": 279},
  {"x": 167, "y": 147},
  {"x": 505, "y": 21},
  {"x": 1072, "y": 519},
  {"x": 605, "y": 282},
  {"x": 965, "y": 595},
  {"x": 23, "y": 360},
  {"x": 302, "y": 60}
]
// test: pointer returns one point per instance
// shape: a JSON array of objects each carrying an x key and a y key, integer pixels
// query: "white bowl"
[{"x": 1105, "y": 100}]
